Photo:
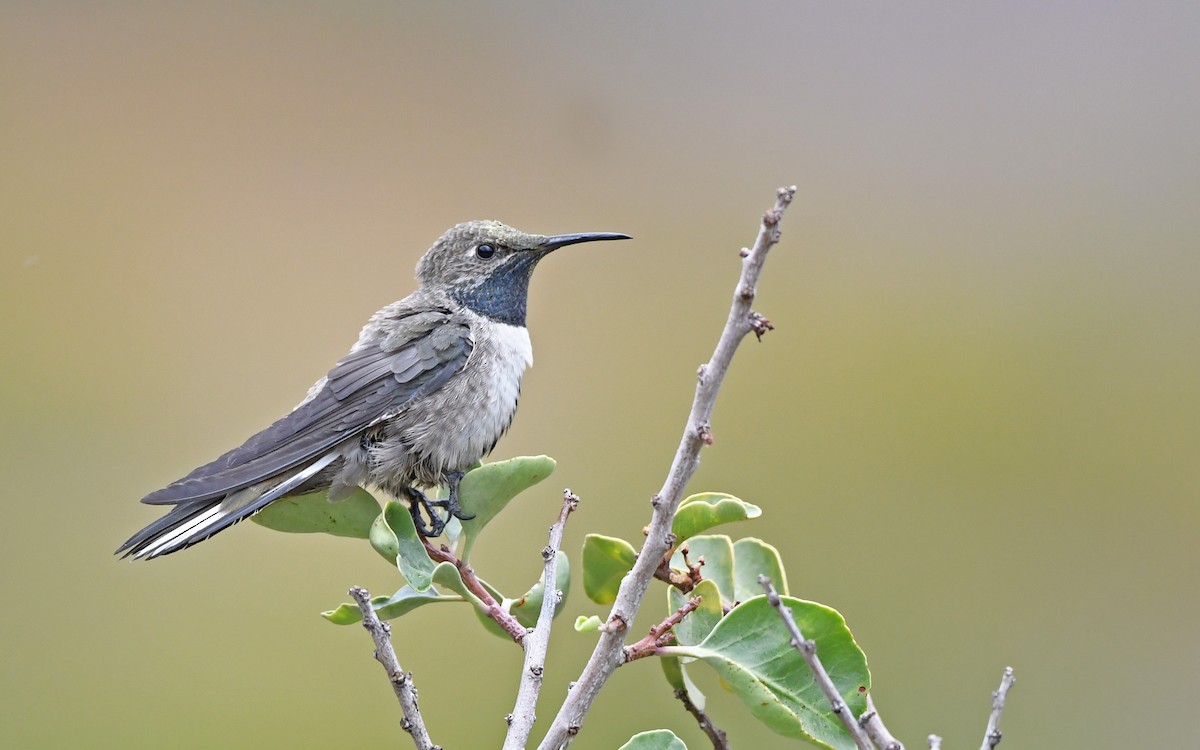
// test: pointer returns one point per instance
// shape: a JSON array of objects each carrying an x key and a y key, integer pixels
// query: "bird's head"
[{"x": 486, "y": 265}]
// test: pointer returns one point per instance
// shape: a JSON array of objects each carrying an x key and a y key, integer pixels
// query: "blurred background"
[{"x": 974, "y": 431}]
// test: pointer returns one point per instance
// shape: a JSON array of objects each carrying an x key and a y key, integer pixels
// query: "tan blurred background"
[{"x": 974, "y": 431}]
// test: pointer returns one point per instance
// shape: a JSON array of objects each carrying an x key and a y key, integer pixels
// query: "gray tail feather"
[{"x": 192, "y": 522}]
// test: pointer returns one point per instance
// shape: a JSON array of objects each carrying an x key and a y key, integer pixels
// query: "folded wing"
[{"x": 427, "y": 348}]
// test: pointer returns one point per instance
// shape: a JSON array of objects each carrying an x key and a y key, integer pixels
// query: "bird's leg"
[
  {"x": 451, "y": 502},
  {"x": 416, "y": 502}
]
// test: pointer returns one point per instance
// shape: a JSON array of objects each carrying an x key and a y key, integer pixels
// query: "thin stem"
[
  {"x": 402, "y": 683},
  {"x": 660, "y": 634},
  {"x": 992, "y": 736},
  {"x": 873, "y": 724},
  {"x": 808, "y": 650},
  {"x": 607, "y": 655},
  {"x": 493, "y": 609},
  {"x": 537, "y": 641},
  {"x": 715, "y": 734}
]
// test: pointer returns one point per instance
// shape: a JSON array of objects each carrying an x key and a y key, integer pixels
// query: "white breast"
[
  {"x": 512, "y": 343},
  {"x": 511, "y": 352},
  {"x": 453, "y": 427}
]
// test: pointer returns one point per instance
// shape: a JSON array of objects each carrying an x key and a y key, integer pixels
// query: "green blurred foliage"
[{"x": 974, "y": 428}]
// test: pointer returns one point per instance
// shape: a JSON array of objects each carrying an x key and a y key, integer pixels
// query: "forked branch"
[{"x": 742, "y": 320}]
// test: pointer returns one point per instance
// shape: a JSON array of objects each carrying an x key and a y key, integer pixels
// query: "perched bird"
[{"x": 429, "y": 387}]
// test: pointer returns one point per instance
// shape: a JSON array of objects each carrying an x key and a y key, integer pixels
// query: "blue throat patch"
[{"x": 502, "y": 295}]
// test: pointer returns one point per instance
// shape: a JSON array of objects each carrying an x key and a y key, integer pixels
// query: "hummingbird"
[{"x": 427, "y": 390}]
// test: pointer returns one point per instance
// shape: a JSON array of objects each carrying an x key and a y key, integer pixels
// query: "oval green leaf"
[
  {"x": 752, "y": 557},
  {"x": 527, "y": 608},
  {"x": 659, "y": 739},
  {"x": 394, "y": 536},
  {"x": 484, "y": 491},
  {"x": 703, "y": 511},
  {"x": 314, "y": 513},
  {"x": 389, "y": 607},
  {"x": 696, "y": 626},
  {"x": 717, "y": 551},
  {"x": 606, "y": 560},
  {"x": 383, "y": 539},
  {"x": 750, "y": 649}
]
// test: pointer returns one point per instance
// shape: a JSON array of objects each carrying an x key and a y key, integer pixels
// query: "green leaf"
[
  {"x": 527, "y": 608},
  {"x": 485, "y": 491},
  {"x": 717, "y": 551},
  {"x": 314, "y": 512},
  {"x": 750, "y": 649},
  {"x": 752, "y": 557},
  {"x": 659, "y": 739},
  {"x": 693, "y": 629},
  {"x": 383, "y": 539},
  {"x": 673, "y": 671},
  {"x": 701, "y": 512},
  {"x": 394, "y": 536},
  {"x": 447, "y": 576},
  {"x": 606, "y": 560},
  {"x": 389, "y": 607},
  {"x": 734, "y": 568},
  {"x": 696, "y": 626},
  {"x": 589, "y": 624},
  {"x": 678, "y": 678}
]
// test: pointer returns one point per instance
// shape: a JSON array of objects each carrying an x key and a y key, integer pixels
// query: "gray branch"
[
  {"x": 808, "y": 650},
  {"x": 869, "y": 732},
  {"x": 607, "y": 655},
  {"x": 536, "y": 643},
  {"x": 879, "y": 734},
  {"x": 401, "y": 681},
  {"x": 991, "y": 737},
  {"x": 715, "y": 734}
]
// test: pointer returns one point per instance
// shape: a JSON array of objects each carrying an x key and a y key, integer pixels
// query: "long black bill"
[{"x": 562, "y": 240}]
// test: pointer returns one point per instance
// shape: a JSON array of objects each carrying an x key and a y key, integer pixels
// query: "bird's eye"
[{"x": 485, "y": 251}]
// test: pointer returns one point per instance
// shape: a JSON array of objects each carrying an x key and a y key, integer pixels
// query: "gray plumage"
[{"x": 429, "y": 387}]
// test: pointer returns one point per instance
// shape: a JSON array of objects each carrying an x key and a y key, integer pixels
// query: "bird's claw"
[
  {"x": 436, "y": 525},
  {"x": 451, "y": 503}
]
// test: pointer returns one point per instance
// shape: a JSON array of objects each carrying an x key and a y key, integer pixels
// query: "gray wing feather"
[{"x": 427, "y": 348}]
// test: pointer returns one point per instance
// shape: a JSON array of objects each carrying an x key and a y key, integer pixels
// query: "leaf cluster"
[
  {"x": 483, "y": 493},
  {"x": 734, "y": 630}
]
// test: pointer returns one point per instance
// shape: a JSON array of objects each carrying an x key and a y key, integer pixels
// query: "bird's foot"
[
  {"x": 451, "y": 502},
  {"x": 418, "y": 502}
]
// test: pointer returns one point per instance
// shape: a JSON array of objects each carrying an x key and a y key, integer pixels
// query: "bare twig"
[
  {"x": 660, "y": 634},
  {"x": 537, "y": 641},
  {"x": 401, "y": 681},
  {"x": 808, "y": 650},
  {"x": 681, "y": 580},
  {"x": 493, "y": 609},
  {"x": 715, "y": 734},
  {"x": 879, "y": 734},
  {"x": 684, "y": 580},
  {"x": 607, "y": 655},
  {"x": 991, "y": 737},
  {"x": 935, "y": 742}
]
